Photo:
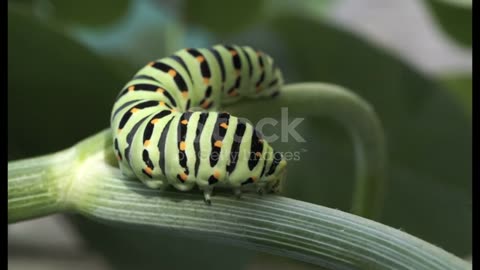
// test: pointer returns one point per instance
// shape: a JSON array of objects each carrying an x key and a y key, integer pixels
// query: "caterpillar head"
[{"x": 277, "y": 176}]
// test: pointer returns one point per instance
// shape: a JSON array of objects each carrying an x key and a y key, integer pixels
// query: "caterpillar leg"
[
  {"x": 261, "y": 190},
  {"x": 155, "y": 184},
  {"x": 207, "y": 192},
  {"x": 237, "y": 192}
]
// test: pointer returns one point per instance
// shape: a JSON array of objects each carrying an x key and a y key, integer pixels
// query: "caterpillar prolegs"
[{"x": 167, "y": 130}]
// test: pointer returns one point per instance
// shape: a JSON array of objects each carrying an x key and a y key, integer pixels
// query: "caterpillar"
[{"x": 167, "y": 129}]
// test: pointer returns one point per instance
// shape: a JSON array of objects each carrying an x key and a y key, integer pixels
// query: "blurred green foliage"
[
  {"x": 428, "y": 133},
  {"x": 66, "y": 67},
  {"x": 89, "y": 12},
  {"x": 455, "y": 17},
  {"x": 236, "y": 15},
  {"x": 461, "y": 88},
  {"x": 55, "y": 86}
]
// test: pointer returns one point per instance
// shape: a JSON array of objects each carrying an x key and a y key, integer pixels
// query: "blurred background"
[{"x": 410, "y": 59}]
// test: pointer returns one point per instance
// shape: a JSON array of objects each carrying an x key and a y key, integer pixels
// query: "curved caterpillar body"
[{"x": 167, "y": 130}]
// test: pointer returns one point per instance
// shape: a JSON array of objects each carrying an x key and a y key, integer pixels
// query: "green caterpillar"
[{"x": 167, "y": 131}]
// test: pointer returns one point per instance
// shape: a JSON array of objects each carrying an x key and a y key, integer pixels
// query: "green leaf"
[
  {"x": 455, "y": 18},
  {"x": 155, "y": 248}
]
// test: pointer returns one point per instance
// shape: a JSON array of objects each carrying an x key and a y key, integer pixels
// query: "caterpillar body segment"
[{"x": 168, "y": 129}]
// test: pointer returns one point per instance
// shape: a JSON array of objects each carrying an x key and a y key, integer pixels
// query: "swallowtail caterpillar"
[{"x": 168, "y": 131}]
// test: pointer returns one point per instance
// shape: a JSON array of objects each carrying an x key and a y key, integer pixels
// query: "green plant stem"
[
  {"x": 96, "y": 188},
  {"x": 40, "y": 186},
  {"x": 312, "y": 100},
  {"x": 34, "y": 185}
]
